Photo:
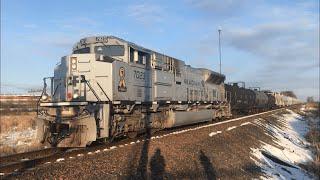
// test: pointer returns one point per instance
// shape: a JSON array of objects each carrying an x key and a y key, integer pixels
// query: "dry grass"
[
  {"x": 17, "y": 105},
  {"x": 313, "y": 136},
  {"x": 17, "y": 112},
  {"x": 15, "y": 122},
  {"x": 6, "y": 150},
  {"x": 19, "y": 122}
]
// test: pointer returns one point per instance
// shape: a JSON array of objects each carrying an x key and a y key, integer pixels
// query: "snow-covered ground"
[
  {"x": 280, "y": 159},
  {"x": 16, "y": 140}
]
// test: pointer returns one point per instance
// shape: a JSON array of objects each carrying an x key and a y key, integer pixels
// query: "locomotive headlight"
[
  {"x": 74, "y": 66},
  {"x": 75, "y": 95},
  {"x": 44, "y": 97},
  {"x": 73, "y": 63},
  {"x": 73, "y": 60}
]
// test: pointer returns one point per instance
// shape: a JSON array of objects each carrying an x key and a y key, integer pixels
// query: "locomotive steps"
[{"x": 219, "y": 150}]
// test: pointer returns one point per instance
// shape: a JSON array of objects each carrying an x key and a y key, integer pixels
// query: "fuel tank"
[{"x": 180, "y": 118}]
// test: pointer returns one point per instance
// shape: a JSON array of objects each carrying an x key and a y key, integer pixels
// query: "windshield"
[
  {"x": 82, "y": 51},
  {"x": 110, "y": 50}
]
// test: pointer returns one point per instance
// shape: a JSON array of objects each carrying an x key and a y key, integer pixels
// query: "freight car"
[
  {"x": 240, "y": 98},
  {"x": 109, "y": 87},
  {"x": 249, "y": 100},
  {"x": 243, "y": 100},
  {"x": 282, "y": 100},
  {"x": 271, "y": 100}
]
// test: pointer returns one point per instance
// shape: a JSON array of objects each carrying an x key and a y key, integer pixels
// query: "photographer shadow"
[{"x": 157, "y": 165}]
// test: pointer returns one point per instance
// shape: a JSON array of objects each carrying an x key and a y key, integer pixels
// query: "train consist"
[
  {"x": 109, "y": 87},
  {"x": 248, "y": 100}
]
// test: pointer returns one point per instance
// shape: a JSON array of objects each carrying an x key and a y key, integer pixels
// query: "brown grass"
[
  {"x": 313, "y": 136},
  {"x": 17, "y": 122},
  {"x": 21, "y": 122},
  {"x": 18, "y": 113},
  {"x": 17, "y": 105},
  {"x": 8, "y": 150}
]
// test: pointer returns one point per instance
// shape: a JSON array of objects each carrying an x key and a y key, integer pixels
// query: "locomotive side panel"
[
  {"x": 194, "y": 83},
  {"x": 131, "y": 82},
  {"x": 162, "y": 85}
]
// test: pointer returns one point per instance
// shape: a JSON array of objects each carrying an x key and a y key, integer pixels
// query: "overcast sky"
[{"x": 271, "y": 44}]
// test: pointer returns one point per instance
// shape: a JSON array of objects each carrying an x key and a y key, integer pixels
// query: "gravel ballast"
[{"x": 219, "y": 151}]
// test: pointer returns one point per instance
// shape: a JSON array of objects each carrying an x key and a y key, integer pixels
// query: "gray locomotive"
[{"x": 109, "y": 87}]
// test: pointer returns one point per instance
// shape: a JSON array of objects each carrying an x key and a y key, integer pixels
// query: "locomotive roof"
[{"x": 97, "y": 39}]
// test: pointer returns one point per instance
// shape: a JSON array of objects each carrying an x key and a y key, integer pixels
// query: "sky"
[{"x": 266, "y": 43}]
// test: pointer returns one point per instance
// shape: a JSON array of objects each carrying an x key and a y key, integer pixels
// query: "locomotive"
[{"x": 109, "y": 87}]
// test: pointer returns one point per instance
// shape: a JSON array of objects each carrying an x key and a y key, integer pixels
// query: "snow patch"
[
  {"x": 281, "y": 161},
  {"x": 113, "y": 147},
  {"x": 215, "y": 133},
  {"x": 232, "y": 127},
  {"x": 60, "y": 159},
  {"x": 14, "y": 138},
  {"x": 246, "y": 123}
]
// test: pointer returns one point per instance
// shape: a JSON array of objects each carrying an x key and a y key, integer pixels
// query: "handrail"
[
  {"x": 44, "y": 91},
  {"x": 83, "y": 79},
  {"x": 104, "y": 92}
]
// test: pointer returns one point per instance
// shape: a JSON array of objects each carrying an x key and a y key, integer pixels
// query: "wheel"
[{"x": 132, "y": 134}]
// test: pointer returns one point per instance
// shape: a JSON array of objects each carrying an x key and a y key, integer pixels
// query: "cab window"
[
  {"x": 110, "y": 50},
  {"x": 139, "y": 57},
  {"x": 82, "y": 51}
]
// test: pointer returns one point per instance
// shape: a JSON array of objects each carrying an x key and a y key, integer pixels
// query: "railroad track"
[
  {"x": 24, "y": 164},
  {"x": 21, "y": 162},
  {"x": 5, "y": 160}
]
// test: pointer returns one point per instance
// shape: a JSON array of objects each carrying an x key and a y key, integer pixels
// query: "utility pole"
[{"x": 219, "y": 30}]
